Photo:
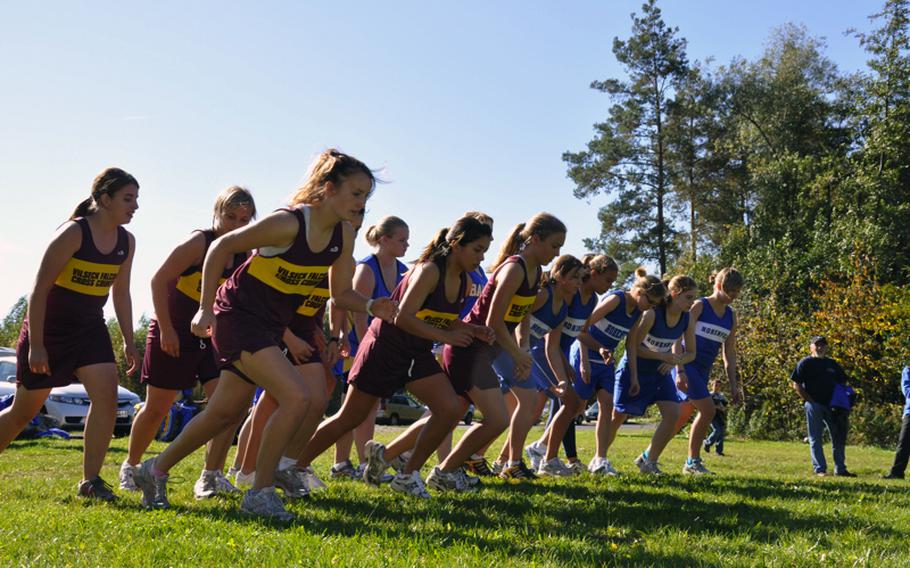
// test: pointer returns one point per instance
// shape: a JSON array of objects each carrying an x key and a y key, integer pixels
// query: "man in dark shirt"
[{"x": 814, "y": 379}]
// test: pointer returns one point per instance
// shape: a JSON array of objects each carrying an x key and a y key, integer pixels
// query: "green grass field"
[{"x": 764, "y": 508}]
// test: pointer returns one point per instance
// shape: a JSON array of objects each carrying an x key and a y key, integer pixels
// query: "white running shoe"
[
  {"x": 597, "y": 466},
  {"x": 536, "y": 454},
  {"x": 245, "y": 479},
  {"x": 224, "y": 485},
  {"x": 126, "y": 477},
  {"x": 206, "y": 486},
  {"x": 265, "y": 503},
  {"x": 470, "y": 482},
  {"x": 496, "y": 467},
  {"x": 647, "y": 466},
  {"x": 154, "y": 488},
  {"x": 445, "y": 481},
  {"x": 312, "y": 481},
  {"x": 696, "y": 467},
  {"x": 411, "y": 484},
  {"x": 608, "y": 468},
  {"x": 553, "y": 468},
  {"x": 577, "y": 467}
]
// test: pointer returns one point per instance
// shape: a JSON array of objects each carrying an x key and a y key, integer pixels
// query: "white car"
[{"x": 69, "y": 405}]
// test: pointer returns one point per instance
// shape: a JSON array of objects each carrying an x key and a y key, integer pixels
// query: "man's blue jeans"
[{"x": 819, "y": 417}]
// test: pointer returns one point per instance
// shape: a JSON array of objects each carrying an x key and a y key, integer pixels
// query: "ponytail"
[
  {"x": 108, "y": 182},
  {"x": 512, "y": 245},
  {"x": 650, "y": 285},
  {"x": 85, "y": 208},
  {"x": 678, "y": 285},
  {"x": 563, "y": 265},
  {"x": 465, "y": 231}
]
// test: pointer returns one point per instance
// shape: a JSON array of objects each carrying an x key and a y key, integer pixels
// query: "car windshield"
[{"x": 7, "y": 371}]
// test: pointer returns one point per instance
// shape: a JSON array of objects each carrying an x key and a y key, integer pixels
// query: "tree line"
[{"x": 789, "y": 169}]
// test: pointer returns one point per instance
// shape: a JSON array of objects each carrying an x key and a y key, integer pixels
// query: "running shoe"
[
  {"x": 707, "y": 447},
  {"x": 265, "y": 503},
  {"x": 553, "y": 468},
  {"x": 398, "y": 463},
  {"x": 411, "y": 484},
  {"x": 536, "y": 454},
  {"x": 126, "y": 477},
  {"x": 344, "y": 471},
  {"x": 154, "y": 488},
  {"x": 358, "y": 471},
  {"x": 245, "y": 479},
  {"x": 223, "y": 485},
  {"x": 470, "y": 482},
  {"x": 445, "y": 480},
  {"x": 206, "y": 486},
  {"x": 479, "y": 467},
  {"x": 696, "y": 467},
  {"x": 577, "y": 467},
  {"x": 647, "y": 466},
  {"x": 376, "y": 465},
  {"x": 96, "y": 488},
  {"x": 291, "y": 482},
  {"x": 518, "y": 471},
  {"x": 312, "y": 481},
  {"x": 596, "y": 466},
  {"x": 497, "y": 467},
  {"x": 608, "y": 467}
]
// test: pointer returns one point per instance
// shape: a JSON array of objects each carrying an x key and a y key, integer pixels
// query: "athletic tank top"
[
  {"x": 380, "y": 290},
  {"x": 612, "y": 328},
  {"x": 576, "y": 317},
  {"x": 81, "y": 288},
  {"x": 661, "y": 338},
  {"x": 271, "y": 288},
  {"x": 183, "y": 298},
  {"x": 544, "y": 319},
  {"x": 478, "y": 281},
  {"x": 710, "y": 333},
  {"x": 436, "y": 311},
  {"x": 312, "y": 311},
  {"x": 520, "y": 304}
]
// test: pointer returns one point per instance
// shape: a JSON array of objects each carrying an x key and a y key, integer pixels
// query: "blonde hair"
[
  {"x": 678, "y": 285},
  {"x": 233, "y": 196},
  {"x": 599, "y": 263},
  {"x": 384, "y": 228},
  {"x": 331, "y": 166},
  {"x": 650, "y": 285}
]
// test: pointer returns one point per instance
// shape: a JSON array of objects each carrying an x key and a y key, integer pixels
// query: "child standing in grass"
[{"x": 719, "y": 422}]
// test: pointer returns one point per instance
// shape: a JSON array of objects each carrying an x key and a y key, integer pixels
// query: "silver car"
[{"x": 69, "y": 405}]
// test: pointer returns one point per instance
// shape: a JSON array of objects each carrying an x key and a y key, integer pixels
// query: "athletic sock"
[
  {"x": 341, "y": 465},
  {"x": 476, "y": 457},
  {"x": 511, "y": 463},
  {"x": 285, "y": 462},
  {"x": 644, "y": 454}
]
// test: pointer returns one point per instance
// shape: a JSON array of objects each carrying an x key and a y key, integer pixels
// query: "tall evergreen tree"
[{"x": 627, "y": 160}]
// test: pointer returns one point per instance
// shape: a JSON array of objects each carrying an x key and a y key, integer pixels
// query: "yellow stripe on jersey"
[
  {"x": 519, "y": 308},
  {"x": 286, "y": 277},
  {"x": 90, "y": 278},
  {"x": 439, "y": 320},
  {"x": 314, "y": 302},
  {"x": 191, "y": 285}
]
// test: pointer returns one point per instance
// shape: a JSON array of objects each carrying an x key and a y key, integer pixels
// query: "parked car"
[
  {"x": 592, "y": 412},
  {"x": 469, "y": 415},
  {"x": 399, "y": 409},
  {"x": 69, "y": 405}
]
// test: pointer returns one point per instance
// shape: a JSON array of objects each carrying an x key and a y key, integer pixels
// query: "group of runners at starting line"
[{"x": 443, "y": 329}]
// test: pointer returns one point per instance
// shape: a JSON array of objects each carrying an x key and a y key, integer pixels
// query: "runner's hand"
[
  {"x": 170, "y": 343},
  {"x": 203, "y": 324},
  {"x": 132, "y": 357},
  {"x": 38, "y": 361}
]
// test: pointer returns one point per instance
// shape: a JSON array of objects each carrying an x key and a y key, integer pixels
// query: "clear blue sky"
[{"x": 467, "y": 105}]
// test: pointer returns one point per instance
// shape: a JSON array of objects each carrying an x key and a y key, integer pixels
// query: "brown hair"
[
  {"x": 108, "y": 182},
  {"x": 562, "y": 266},
  {"x": 649, "y": 284},
  {"x": 330, "y": 166},
  {"x": 729, "y": 279},
  {"x": 480, "y": 216},
  {"x": 385, "y": 227},
  {"x": 233, "y": 196},
  {"x": 541, "y": 225},
  {"x": 465, "y": 231}
]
